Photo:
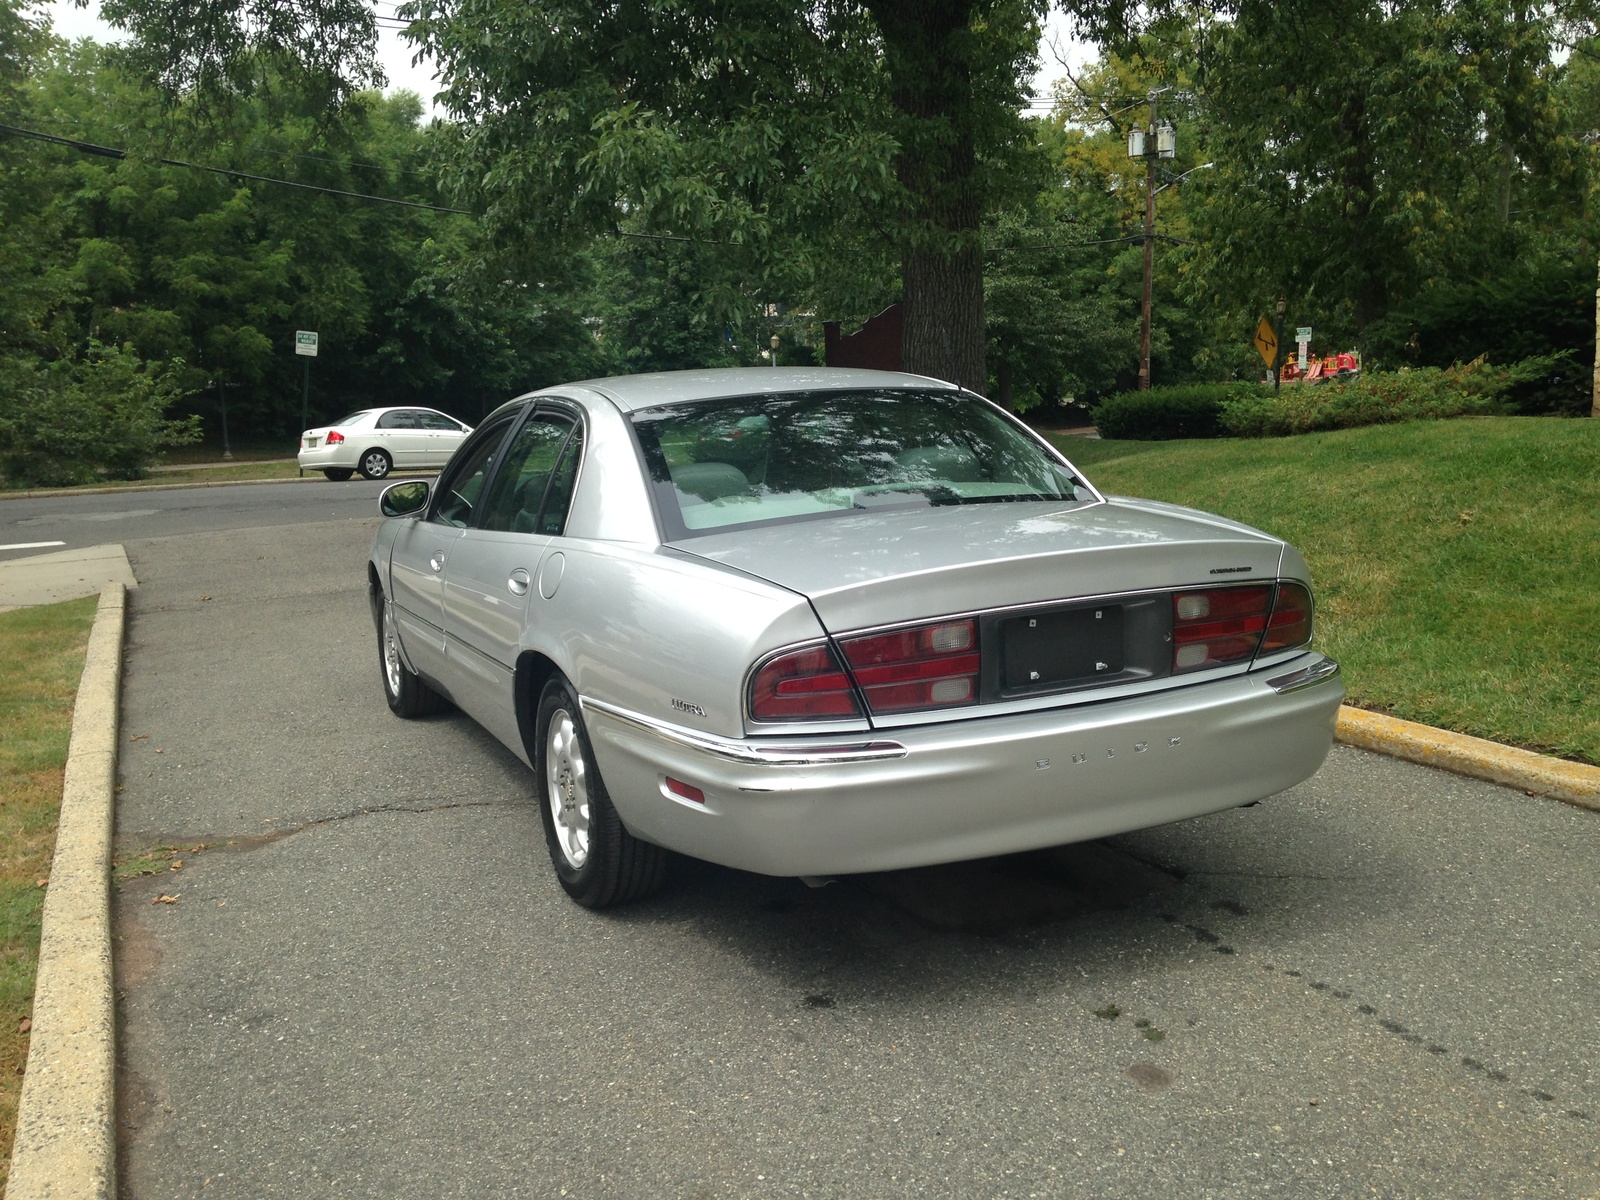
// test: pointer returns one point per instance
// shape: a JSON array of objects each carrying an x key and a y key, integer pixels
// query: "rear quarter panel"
[{"x": 638, "y": 628}]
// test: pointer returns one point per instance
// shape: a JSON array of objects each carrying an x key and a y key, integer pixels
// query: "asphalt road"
[
  {"x": 123, "y": 516},
  {"x": 369, "y": 985}
]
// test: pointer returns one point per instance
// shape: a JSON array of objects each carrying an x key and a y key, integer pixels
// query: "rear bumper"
[
  {"x": 321, "y": 458},
  {"x": 973, "y": 788}
]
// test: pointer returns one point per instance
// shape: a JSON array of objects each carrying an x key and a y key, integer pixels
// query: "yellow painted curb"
[
  {"x": 66, "y": 1123},
  {"x": 1575, "y": 783}
]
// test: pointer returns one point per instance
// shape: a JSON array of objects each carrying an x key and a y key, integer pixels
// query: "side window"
[
  {"x": 427, "y": 419},
  {"x": 513, "y": 502},
  {"x": 558, "y": 498},
  {"x": 462, "y": 484},
  {"x": 399, "y": 419}
]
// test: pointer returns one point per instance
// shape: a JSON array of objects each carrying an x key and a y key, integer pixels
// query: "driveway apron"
[{"x": 345, "y": 970}]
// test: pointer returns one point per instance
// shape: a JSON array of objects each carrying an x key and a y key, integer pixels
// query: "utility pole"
[
  {"x": 1162, "y": 142},
  {"x": 1149, "y": 246}
]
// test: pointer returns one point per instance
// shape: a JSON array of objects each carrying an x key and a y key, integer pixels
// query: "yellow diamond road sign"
[{"x": 1267, "y": 342}]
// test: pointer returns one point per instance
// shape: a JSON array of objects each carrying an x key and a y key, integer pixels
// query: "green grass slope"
[{"x": 1456, "y": 563}]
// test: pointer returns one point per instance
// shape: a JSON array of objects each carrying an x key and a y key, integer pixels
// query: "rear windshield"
[
  {"x": 761, "y": 459},
  {"x": 353, "y": 417}
]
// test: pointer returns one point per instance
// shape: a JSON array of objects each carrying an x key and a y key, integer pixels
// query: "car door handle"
[
  {"x": 437, "y": 561},
  {"x": 518, "y": 583}
]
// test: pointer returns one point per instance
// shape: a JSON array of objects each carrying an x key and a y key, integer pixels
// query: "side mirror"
[{"x": 405, "y": 499}]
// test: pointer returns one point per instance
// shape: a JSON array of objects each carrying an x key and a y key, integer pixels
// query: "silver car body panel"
[
  {"x": 659, "y": 639},
  {"x": 969, "y": 789}
]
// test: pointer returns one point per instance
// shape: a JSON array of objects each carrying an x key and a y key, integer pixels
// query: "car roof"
[{"x": 632, "y": 392}]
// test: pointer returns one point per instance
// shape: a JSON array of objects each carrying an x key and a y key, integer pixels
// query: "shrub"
[
  {"x": 1164, "y": 413},
  {"x": 68, "y": 422},
  {"x": 1428, "y": 393}
]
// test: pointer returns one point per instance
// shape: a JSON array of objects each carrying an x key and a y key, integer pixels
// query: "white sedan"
[{"x": 376, "y": 441}]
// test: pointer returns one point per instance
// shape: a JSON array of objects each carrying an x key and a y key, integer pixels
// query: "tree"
[
  {"x": 786, "y": 130},
  {"x": 1365, "y": 150}
]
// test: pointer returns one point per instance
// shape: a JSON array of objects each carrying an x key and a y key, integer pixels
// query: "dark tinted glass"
[
  {"x": 461, "y": 485},
  {"x": 519, "y": 488},
  {"x": 558, "y": 499}
]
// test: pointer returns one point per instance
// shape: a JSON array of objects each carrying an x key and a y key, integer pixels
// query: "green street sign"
[{"x": 305, "y": 342}]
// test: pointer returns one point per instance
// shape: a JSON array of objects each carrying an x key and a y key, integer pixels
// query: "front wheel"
[
  {"x": 598, "y": 862},
  {"x": 375, "y": 464},
  {"x": 403, "y": 688}
]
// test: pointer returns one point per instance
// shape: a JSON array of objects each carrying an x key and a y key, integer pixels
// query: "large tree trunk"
[{"x": 926, "y": 43}]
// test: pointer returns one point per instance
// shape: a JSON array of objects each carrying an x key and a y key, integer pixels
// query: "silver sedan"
[{"x": 811, "y": 622}]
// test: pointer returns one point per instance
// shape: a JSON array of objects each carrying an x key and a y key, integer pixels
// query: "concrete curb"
[
  {"x": 66, "y": 1143},
  {"x": 1574, "y": 783}
]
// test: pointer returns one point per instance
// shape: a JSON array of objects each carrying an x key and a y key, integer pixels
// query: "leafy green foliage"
[
  {"x": 1539, "y": 309},
  {"x": 1164, "y": 413},
  {"x": 1364, "y": 150},
  {"x": 65, "y": 422},
  {"x": 1428, "y": 393}
]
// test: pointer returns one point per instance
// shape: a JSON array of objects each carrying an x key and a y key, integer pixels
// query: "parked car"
[
  {"x": 813, "y": 622},
  {"x": 376, "y": 441}
]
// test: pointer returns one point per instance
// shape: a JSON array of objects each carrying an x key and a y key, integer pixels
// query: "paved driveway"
[{"x": 1381, "y": 983}]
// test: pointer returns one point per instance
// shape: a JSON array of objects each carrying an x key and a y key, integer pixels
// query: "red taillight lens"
[
  {"x": 334, "y": 438},
  {"x": 687, "y": 790},
  {"x": 802, "y": 685},
  {"x": 1290, "y": 623},
  {"x": 1219, "y": 626},
  {"x": 931, "y": 666}
]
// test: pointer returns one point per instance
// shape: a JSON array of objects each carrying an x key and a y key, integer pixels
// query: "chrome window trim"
[{"x": 775, "y": 755}]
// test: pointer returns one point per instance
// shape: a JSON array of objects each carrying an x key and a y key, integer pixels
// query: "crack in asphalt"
[{"x": 253, "y": 841}]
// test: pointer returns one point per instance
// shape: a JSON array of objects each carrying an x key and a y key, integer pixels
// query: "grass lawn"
[
  {"x": 42, "y": 651},
  {"x": 1456, "y": 563}
]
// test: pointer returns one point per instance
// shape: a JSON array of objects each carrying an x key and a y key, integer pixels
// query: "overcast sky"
[{"x": 395, "y": 53}]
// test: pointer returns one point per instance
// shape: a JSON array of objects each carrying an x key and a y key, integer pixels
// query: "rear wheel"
[
  {"x": 403, "y": 688},
  {"x": 375, "y": 464},
  {"x": 338, "y": 474},
  {"x": 598, "y": 862}
]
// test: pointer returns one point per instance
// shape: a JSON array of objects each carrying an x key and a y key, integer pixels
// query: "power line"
[{"x": 113, "y": 152}]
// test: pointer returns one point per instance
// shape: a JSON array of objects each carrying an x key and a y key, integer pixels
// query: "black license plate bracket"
[{"x": 1067, "y": 646}]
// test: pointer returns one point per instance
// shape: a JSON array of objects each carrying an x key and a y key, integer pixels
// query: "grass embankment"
[
  {"x": 1457, "y": 563},
  {"x": 42, "y": 650}
]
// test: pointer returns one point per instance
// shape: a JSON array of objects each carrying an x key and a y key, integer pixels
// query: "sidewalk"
[{"x": 62, "y": 575}]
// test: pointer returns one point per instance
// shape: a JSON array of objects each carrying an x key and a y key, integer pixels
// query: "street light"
[{"x": 1277, "y": 355}]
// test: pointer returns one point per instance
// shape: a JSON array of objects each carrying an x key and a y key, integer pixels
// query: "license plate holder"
[{"x": 1067, "y": 646}]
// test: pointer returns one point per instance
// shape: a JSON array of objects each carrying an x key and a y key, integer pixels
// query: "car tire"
[
  {"x": 598, "y": 862},
  {"x": 403, "y": 688},
  {"x": 375, "y": 464},
  {"x": 338, "y": 474}
]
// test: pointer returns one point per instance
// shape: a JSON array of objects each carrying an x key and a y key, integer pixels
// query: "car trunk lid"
[{"x": 874, "y": 569}]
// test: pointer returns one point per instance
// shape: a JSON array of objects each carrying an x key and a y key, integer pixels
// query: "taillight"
[
  {"x": 334, "y": 438},
  {"x": 1218, "y": 626},
  {"x": 1290, "y": 623},
  {"x": 802, "y": 685},
  {"x": 931, "y": 666}
]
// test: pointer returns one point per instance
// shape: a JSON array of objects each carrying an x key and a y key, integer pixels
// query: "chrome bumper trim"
[
  {"x": 787, "y": 754},
  {"x": 1304, "y": 677}
]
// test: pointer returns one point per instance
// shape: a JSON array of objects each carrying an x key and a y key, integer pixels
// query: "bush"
[
  {"x": 1164, "y": 413},
  {"x": 72, "y": 421},
  {"x": 1427, "y": 393}
]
